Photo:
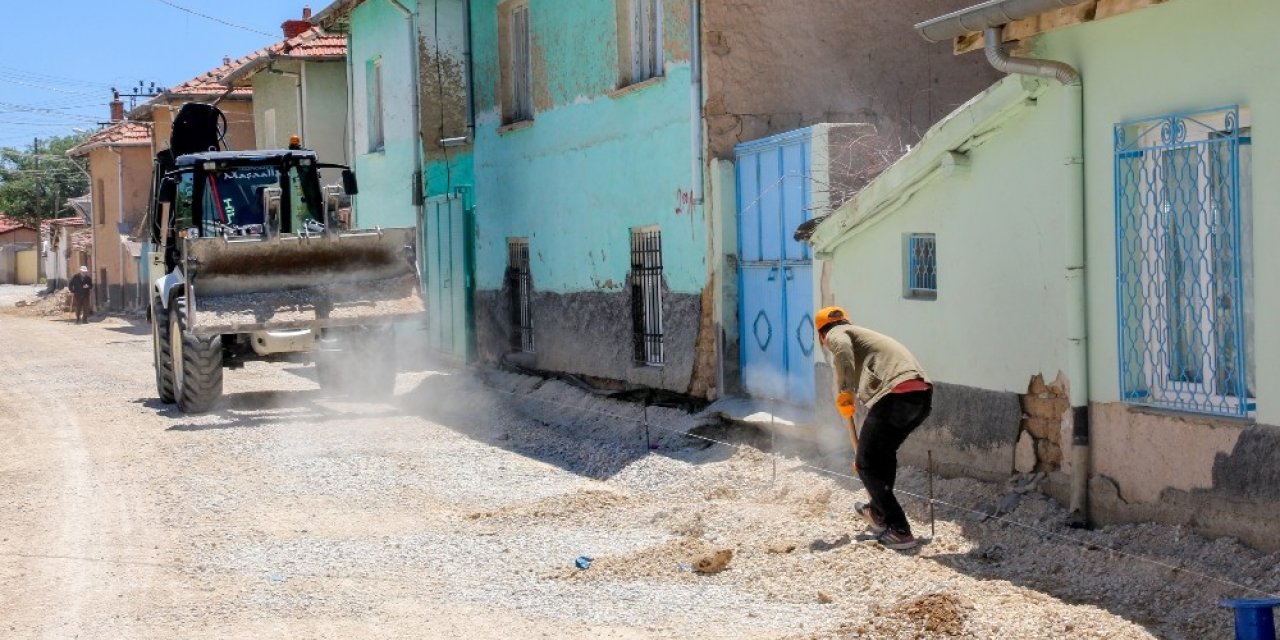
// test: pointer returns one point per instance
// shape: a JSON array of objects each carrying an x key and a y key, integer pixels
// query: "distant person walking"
[
  {"x": 81, "y": 287},
  {"x": 881, "y": 374}
]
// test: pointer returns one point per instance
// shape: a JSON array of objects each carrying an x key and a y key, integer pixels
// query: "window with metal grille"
[
  {"x": 520, "y": 286},
  {"x": 1184, "y": 294},
  {"x": 373, "y": 96},
  {"x": 520, "y": 64},
  {"x": 643, "y": 39},
  {"x": 922, "y": 266},
  {"x": 646, "y": 294}
]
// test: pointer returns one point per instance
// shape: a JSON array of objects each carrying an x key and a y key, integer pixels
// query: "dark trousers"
[
  {"x": 887, "y": 426},
  {"x": 80, "y": 305}
]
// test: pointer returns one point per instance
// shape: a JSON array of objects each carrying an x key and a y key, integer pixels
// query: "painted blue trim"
[{"x": 776, "y": 140}]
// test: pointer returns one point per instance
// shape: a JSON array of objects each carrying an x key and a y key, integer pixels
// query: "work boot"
[
  {"x": 897, "y": 540},
  {"x": 875, "y": 524}
]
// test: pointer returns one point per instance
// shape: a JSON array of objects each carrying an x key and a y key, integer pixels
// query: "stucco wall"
[
  {"x": 279, "y": 94},
  {"x": 380, "y": 31},
  {"x": 326, "y": 113},
  {"x": 442, "y": 73},
  {"x": 1194, "y": 55},
  {"x": 594, "y": 163},
  {"x": 776, "y": 66},
  {"x": 108, "y": 251},
  {"x": 1001, "y": 304}
]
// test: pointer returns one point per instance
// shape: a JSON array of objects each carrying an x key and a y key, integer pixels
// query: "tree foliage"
[{"x": 35, "y": 182}]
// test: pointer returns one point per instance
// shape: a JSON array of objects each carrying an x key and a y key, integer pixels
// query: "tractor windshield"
[{"x": 231, "y": 199}]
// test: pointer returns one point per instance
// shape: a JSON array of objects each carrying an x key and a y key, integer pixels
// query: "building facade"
[{"x": 1077, "y": 268}]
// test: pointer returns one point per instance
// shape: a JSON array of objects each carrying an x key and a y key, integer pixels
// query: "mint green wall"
[
  {"x": 280, "y": 93},
  {"x": 1000, "y": 308},
  {"x": 379, "y": 30},
  {"x": 326, "y": 113},
  {"x": 1183, "y": 55},
  {"x": 443, "y": 38},
  {"x": 591, "y": 165},
  {"x": 1000, "y": 314}
]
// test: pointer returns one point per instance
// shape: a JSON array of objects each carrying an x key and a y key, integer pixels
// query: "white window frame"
[
  {"x": 374, "y": 96},
  {"x": 520, "y": 69},
  {"x": 647, "y": 55}
]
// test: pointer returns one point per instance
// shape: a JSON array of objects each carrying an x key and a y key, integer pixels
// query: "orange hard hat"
[{"x": 828, "y": 316}]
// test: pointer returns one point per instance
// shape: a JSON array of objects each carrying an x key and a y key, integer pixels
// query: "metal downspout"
[
  {"x": 695, "y": 110},
  {"x": 1072, "y": 196}
]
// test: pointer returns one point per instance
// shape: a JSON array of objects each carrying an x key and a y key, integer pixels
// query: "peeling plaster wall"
[
  {"x": 443, "y": 95},
  {"x": 1219, "y": 477},
  {"x": 594, "y": 163},
  {"x": 776, "y": 66}
]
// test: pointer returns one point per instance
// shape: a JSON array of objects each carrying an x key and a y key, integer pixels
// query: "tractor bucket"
[{"x": 300, "y": 282}]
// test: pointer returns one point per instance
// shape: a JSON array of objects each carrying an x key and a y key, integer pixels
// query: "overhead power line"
[
  {"x": 217, "y": 20},
  {"x": 37, "y": 76}
]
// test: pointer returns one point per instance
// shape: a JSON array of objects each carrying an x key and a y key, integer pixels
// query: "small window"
[
  {"x": 520, "y": 288},
  {"x": 922, "y": 266},
  {"x": 646, "y": 294},
  {"x": 518, "y": 64},
  {"x": 640, "y": 40},
  {"x": 373, "y": 86}
]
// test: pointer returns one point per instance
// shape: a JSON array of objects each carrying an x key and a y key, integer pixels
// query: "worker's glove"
[{"x": 844, "y": 404}]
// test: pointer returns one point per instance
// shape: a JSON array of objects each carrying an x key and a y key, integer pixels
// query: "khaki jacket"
[{"x": 869, "y": 364}]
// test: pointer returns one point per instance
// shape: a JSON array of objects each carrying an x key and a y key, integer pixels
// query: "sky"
[{"x": 59, "y": 59}]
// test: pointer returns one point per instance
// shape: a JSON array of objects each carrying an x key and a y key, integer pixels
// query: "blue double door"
[{"x": 776, "y": 335}]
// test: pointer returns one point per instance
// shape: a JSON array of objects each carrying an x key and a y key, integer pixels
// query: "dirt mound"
[
  {"x": 935, "y": 613},
  {"x": 54, "y": 304},
  {"x": 679, "y": 559}
]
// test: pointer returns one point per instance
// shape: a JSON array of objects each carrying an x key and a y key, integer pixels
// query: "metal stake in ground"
[
  {"x": 932, "y": 532},
  {"x": 773, "y": 440},
  {"x": 648, "y": 443}
]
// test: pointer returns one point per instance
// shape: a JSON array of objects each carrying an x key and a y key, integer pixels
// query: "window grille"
[
  {"x": 521, "y": 65},
  {"x": 646, "y": 39},
  {"x": 373, "y": 79},
  {"x": 1184, "y": 283},
  {"x": 922, "y": 266},
  {"x": 646, "y": 295},
  {"x": 520, "y": 286}
]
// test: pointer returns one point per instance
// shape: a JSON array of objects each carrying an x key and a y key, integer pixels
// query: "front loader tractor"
[{"x": 251, "y": 261}]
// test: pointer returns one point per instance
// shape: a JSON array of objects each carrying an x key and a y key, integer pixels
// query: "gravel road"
[{"x": 457, "y": 510}]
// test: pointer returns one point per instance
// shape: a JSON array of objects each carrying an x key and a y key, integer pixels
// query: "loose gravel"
[{"x": 459, "y": 509}]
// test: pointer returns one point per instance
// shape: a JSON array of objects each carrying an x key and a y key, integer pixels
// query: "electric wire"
[
  {"x": 1087, "y": 545},
  {"x": 217, "y": 20}
]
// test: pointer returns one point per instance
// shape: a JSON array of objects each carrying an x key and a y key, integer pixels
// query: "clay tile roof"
[
  {"x": 313, "y": 44},
  {"x": 8, "y": 224},
  {"x": 82, "y": 240},
  {"x": 122, "y": 134},
  {"x": 209, "y": 83}
]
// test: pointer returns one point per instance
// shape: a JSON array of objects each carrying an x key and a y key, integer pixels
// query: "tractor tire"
[
  {"x": 160, "y": 348},
  {"x": 197, "y": 363}
]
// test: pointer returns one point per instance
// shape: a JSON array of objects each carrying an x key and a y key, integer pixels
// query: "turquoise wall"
[
  {"x": 594, "y": 162},
  {"x": 443, "y": 43},
  {"x": 380, "y": 31}
]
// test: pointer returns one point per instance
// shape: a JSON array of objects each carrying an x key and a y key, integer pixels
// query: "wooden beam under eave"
[{"x": 1026, "y": 28}]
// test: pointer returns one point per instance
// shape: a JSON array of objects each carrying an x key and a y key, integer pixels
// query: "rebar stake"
[
  {"x": 933, "y": 533},
  {"x": 773, "y": 442},
  {"x": 648, "y": 442}
]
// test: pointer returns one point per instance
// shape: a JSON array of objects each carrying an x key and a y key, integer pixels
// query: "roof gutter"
[
  {"x": 990, "y": 18},
  {"x": 979, "y": 18}
]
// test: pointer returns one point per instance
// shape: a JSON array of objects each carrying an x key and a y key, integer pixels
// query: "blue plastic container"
[{"x": 1255, "y": 619}]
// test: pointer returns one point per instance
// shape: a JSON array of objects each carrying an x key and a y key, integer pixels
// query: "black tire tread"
[
  {"x": 201, "y": 367},
  {"x": 163, "y": 360}
]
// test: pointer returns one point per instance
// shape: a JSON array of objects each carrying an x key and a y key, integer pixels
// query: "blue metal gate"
[
  {"x": 775, "y": 285},
  {"x": 447, "y": 276}
]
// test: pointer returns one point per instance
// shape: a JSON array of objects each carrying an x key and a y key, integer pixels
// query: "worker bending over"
[{"x": 886, "y": 379}]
